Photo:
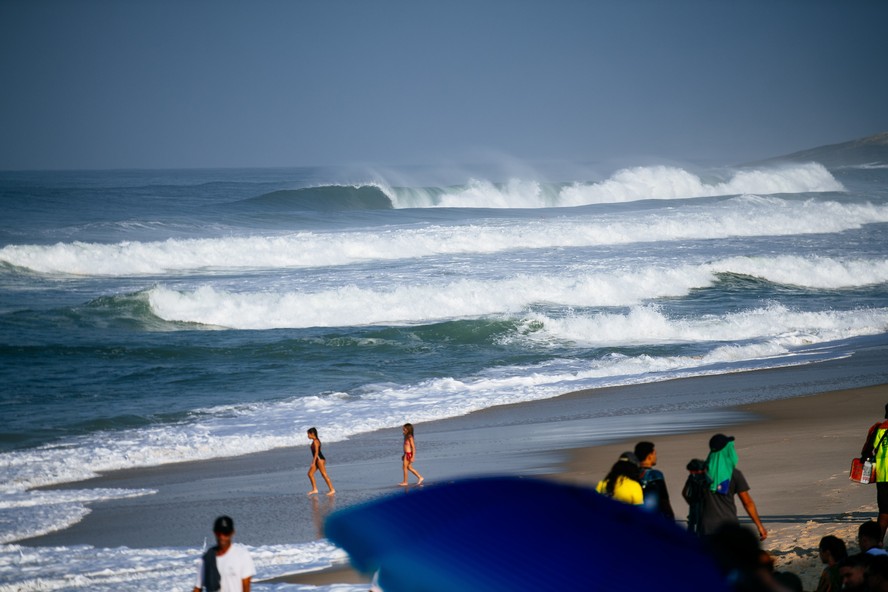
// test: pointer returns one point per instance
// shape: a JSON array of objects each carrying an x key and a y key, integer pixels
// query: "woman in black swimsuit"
[{"x": 318, "y": 463}]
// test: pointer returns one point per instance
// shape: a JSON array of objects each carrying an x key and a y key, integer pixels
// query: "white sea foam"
[
  {"x": 631, "y": 184},
  {"x": 66, "y": 569},
  {"x": 780, "y": 327},
  {"x": 352, "y": 305},
  {"x": 810, "y": 272},
  {"x": 389, "y": 303},
  {"x": 34, "y": 513},
  {"x": 737, "y": 217}
]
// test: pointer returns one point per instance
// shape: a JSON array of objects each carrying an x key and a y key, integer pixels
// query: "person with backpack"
[
  {"x": 653, "y": 483},
  {"x": 695, "y": 488},
  {"x": 876, "y": 448}
]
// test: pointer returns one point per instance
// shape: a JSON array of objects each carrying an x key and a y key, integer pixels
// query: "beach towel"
[{"x": 720, "y": 466}]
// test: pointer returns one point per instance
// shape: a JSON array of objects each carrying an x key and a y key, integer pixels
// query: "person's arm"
[
  {"x": 867, "y": 450},
  {"x": 663, "y": 500},
  {"x": 245, "y": 584},
  {"x": 749, "y": 505}
]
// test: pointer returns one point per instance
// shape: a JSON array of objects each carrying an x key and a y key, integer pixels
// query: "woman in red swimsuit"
[{"x": 409, "y": 454}]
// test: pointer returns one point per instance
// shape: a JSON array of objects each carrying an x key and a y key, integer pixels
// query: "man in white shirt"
[{"x": 227, "y": 567}]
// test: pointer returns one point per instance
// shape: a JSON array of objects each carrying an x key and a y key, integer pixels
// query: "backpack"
[{"x": 695, "y": 487}]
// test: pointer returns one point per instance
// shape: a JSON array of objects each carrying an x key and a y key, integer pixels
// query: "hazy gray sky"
[{"x": 155, "y": 84}]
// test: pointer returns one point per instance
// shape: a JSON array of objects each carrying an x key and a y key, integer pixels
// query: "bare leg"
[
  {"x": 406, "y": 465},
  {"x": 412, "y": 470},
  {"x": 322, "y": 466},
  {"x": 311, "y": 477}
]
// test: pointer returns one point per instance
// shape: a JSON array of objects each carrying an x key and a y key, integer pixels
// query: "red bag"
[{"x": 861, "y": 471}]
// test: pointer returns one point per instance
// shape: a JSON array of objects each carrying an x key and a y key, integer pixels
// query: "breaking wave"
[
  {"x": 626, "y": 185},
  {"x": 353, "y": 305},
  {"x": 736, "y": 217}
]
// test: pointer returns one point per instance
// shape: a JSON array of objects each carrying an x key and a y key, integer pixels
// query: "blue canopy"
[{"x": 512, "y": 534}]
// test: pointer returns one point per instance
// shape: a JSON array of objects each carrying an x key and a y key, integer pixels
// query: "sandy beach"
[
  {"x": 795, "y": 452},
  {"x": 796, "y": 457}
]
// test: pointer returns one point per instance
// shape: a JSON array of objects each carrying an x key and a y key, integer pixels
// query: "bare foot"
[
  {"x": 312, "y": 492},
  {"x": 331, "y": 492},
  {"x": 420, "y": 481},
  {"x": 403, "y": 484}
]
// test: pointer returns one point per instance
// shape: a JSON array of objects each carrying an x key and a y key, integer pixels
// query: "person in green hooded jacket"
[{"x": 718, "y": 506}]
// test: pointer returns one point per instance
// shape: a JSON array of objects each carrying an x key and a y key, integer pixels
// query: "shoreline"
[{"x": 794, "y": 450}]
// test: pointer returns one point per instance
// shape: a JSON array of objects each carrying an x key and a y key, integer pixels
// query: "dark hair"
[
  {"x": 871, "y": 530},
  {"x": 859, "y": 560},
  {"x": 696, "y": 465},
  {"x": 834, "y": 546},
  {"x": 313, "y": 432},
  {"x": 878, "y": 565},
  {"x": 621, "y": 468},
  {"x": 409, "y": 428},
  {"x": 789, "y": 580},
  {"x": 643, "y": 450}
]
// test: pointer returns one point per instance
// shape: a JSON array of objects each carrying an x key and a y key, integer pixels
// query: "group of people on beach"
[
  {"x": 709, "y": 490},
  {"x": 319, "y": 462}
]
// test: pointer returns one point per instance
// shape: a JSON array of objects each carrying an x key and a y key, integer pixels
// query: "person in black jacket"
[{"x": 653, "y": 483}]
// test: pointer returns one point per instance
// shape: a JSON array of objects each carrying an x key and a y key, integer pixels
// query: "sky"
[{"x": 87, "y": 84}]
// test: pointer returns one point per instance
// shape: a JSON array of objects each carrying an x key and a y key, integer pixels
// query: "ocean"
[{"x": 155, "y": 317}]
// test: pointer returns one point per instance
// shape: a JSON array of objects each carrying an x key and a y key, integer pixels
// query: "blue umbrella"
[{"x": 512, "y": 534}]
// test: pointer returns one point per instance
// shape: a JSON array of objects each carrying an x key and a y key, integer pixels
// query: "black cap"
[
  {"x": 630, "y": 457},
  {"x": 223, "y": 525},
  {"x": 719, "y": 441}
]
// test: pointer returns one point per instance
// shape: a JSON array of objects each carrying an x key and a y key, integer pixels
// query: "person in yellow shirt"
[{"x": 622, "y": 482}]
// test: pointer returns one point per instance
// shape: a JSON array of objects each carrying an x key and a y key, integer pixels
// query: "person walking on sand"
[
  {"x": 318, "y": 463},
  {"x": 409, "y": 455},
  {"x": 727, "y": 481},
  {"x": 876, "y": 448},
  {"x": 228, "y": 566},
  {"x": 653, "y": 483}
]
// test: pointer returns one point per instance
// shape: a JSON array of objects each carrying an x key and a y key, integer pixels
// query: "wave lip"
[{"x": 327, "y": 198}]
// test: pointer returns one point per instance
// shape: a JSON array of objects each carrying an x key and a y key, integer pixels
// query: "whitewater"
[{"x": 157, "y": 317}]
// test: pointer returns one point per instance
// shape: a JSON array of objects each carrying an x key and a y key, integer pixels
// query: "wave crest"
[
  {"x": 352, "y": 305},
  {"x": 742, "y": 216}
]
